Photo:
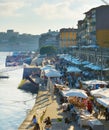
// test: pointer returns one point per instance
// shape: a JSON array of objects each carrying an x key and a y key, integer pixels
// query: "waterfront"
[{"x": 14, "y": 103}]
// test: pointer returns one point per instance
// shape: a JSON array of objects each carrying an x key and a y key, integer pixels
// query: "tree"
[{"x": 49, "y": 50}]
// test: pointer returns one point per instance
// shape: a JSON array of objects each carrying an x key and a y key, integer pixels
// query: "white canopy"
[
  {"x": 101, "y": 92},
  {"x": 94, "y": 82},
  {"x": 103, "y": 101},
  {"x": 73, "y": 69},
  {"x": 52, "y": 73},
  {"x": 93, "y": 67},
  {"x": 47, "y": 67},
  {"x": 75, "y": 92}
]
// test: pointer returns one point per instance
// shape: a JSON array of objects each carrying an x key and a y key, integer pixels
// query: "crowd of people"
[{"x": 72, "y": 81}]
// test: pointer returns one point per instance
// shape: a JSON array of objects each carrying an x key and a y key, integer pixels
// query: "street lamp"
[{"x": 101, "y": 64}]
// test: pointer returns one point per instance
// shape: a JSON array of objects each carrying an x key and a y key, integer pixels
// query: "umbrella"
[
  {"x": 103, "y": 101},
  {"x": 73, "y": 69},
  {"x": 101, "y": 92},
  {"x": 52, "y": 73},
  {"x": 47, "y": 67},
  {"x": 75, "y": 92},
  {"x": 94, "y": 82}
]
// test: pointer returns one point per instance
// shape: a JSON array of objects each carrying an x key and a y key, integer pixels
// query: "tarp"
[
  {"x": 93, "y": 67},
  {"x": 73, "y": 69},
  {"x": 85, "y": 62},
  {"x": 75, "y": 92},
  {"x": 103, "y": 101},
  {"x": 101, "y": 92},
  {"x": 52, "y": 73},
  {"x": 94, "y": 82},
  {"x": 47, "y": 67}
]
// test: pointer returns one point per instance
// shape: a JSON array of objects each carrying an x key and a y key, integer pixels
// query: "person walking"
[
  {"x": 47, "y": 122},
  {"x": 33, "y": 122},
  {"x": 37, "y": 127}
]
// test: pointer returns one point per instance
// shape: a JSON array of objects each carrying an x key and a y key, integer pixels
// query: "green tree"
[{"x": 49, "y": 50}]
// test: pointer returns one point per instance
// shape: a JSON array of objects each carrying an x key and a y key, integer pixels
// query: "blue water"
[{"x": 14, "y": 103}]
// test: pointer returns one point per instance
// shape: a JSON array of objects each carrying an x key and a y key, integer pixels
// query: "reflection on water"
[{"x": 14, "y": 103}]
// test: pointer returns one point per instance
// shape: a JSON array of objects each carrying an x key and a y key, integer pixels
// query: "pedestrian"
[
  {"x": 33, "y": 122},
  {"x": 106, "y": 114},
  {"x": 37, "y": 127},
  {"x": 47, "y": 122}
]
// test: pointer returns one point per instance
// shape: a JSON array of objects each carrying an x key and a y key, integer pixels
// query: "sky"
[{"x": 38, "y": 16}]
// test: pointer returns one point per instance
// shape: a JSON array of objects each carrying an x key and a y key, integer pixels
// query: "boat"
[{"x": 3, "y": 75}]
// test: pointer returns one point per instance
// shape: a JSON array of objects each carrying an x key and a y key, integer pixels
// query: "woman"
[
  {"x": 37, "y": 127},
  {"x": 47, "y": 123},
  {"x": 34, "y": 120}
]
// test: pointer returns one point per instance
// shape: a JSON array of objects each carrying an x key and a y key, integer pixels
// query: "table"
[{"x": 95, "y": 124}]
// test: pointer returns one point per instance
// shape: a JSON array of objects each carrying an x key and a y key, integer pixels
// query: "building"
[
  {"x": 94, "y": 28},
  {"x": 67, "y": 37},
  {"x": 51, "y": 38},
  {"x": 13, "y": 41}
]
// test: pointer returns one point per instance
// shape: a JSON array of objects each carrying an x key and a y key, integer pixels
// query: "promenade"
[{"x": 46, "y": 106}]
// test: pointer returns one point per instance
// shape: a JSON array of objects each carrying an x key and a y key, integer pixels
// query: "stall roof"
[
  {"x": 52, "y": 73},
  {"x": 75, "y": 92},
  {"x": 93, "y": 67},
  {"x": 47, "y": 67},
  {"x": 103, "y": 101},
  {"x": 73, "y": 69},
  {"x": 94, "y": 82},
  {"x": 101, "y": 92}
]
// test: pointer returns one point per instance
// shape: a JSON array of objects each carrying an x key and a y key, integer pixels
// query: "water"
[{"x": 14, "y": 103}]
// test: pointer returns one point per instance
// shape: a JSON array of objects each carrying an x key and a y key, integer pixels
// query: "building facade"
[
  {"x": 67, "y": 37},
  {"x": 51, "y": 38},
  {"x": 94, "y": 28}
]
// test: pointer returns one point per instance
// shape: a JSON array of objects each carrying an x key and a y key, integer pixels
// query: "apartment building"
[
  {"x": 67, "y": 37},
  {"x": 94, "y": 28}
]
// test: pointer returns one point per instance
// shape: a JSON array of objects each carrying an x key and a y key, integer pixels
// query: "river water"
[{"x": 14, "y": 103}]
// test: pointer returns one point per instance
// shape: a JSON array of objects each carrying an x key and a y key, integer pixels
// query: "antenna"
[{"x": 104, "y": 1}]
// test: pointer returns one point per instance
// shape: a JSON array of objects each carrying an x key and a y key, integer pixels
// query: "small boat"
[{"x": 2, "y": 75}]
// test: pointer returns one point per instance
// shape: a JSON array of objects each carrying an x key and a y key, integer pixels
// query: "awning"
[
  {"x": 103, "y": 101},
  {"x": 75, "y": 93},
  {"x": 52, "y": 73},
  {"x": 101, "y": 92},
  {"x": 73, "y": 69}
]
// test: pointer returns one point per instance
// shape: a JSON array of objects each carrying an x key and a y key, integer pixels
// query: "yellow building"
[{"x": 67, "y": 37}]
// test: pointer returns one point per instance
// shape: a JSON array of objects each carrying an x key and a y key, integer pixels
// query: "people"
[
  {"x": 89, "y": 106},
  {"x": 34, "y": 120},
  {"x": 47, "y": 122},
  {"x": 67, "y": 121},
  {"x": 106, "y": 114},
  {"x": 37, "y": 127}
]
